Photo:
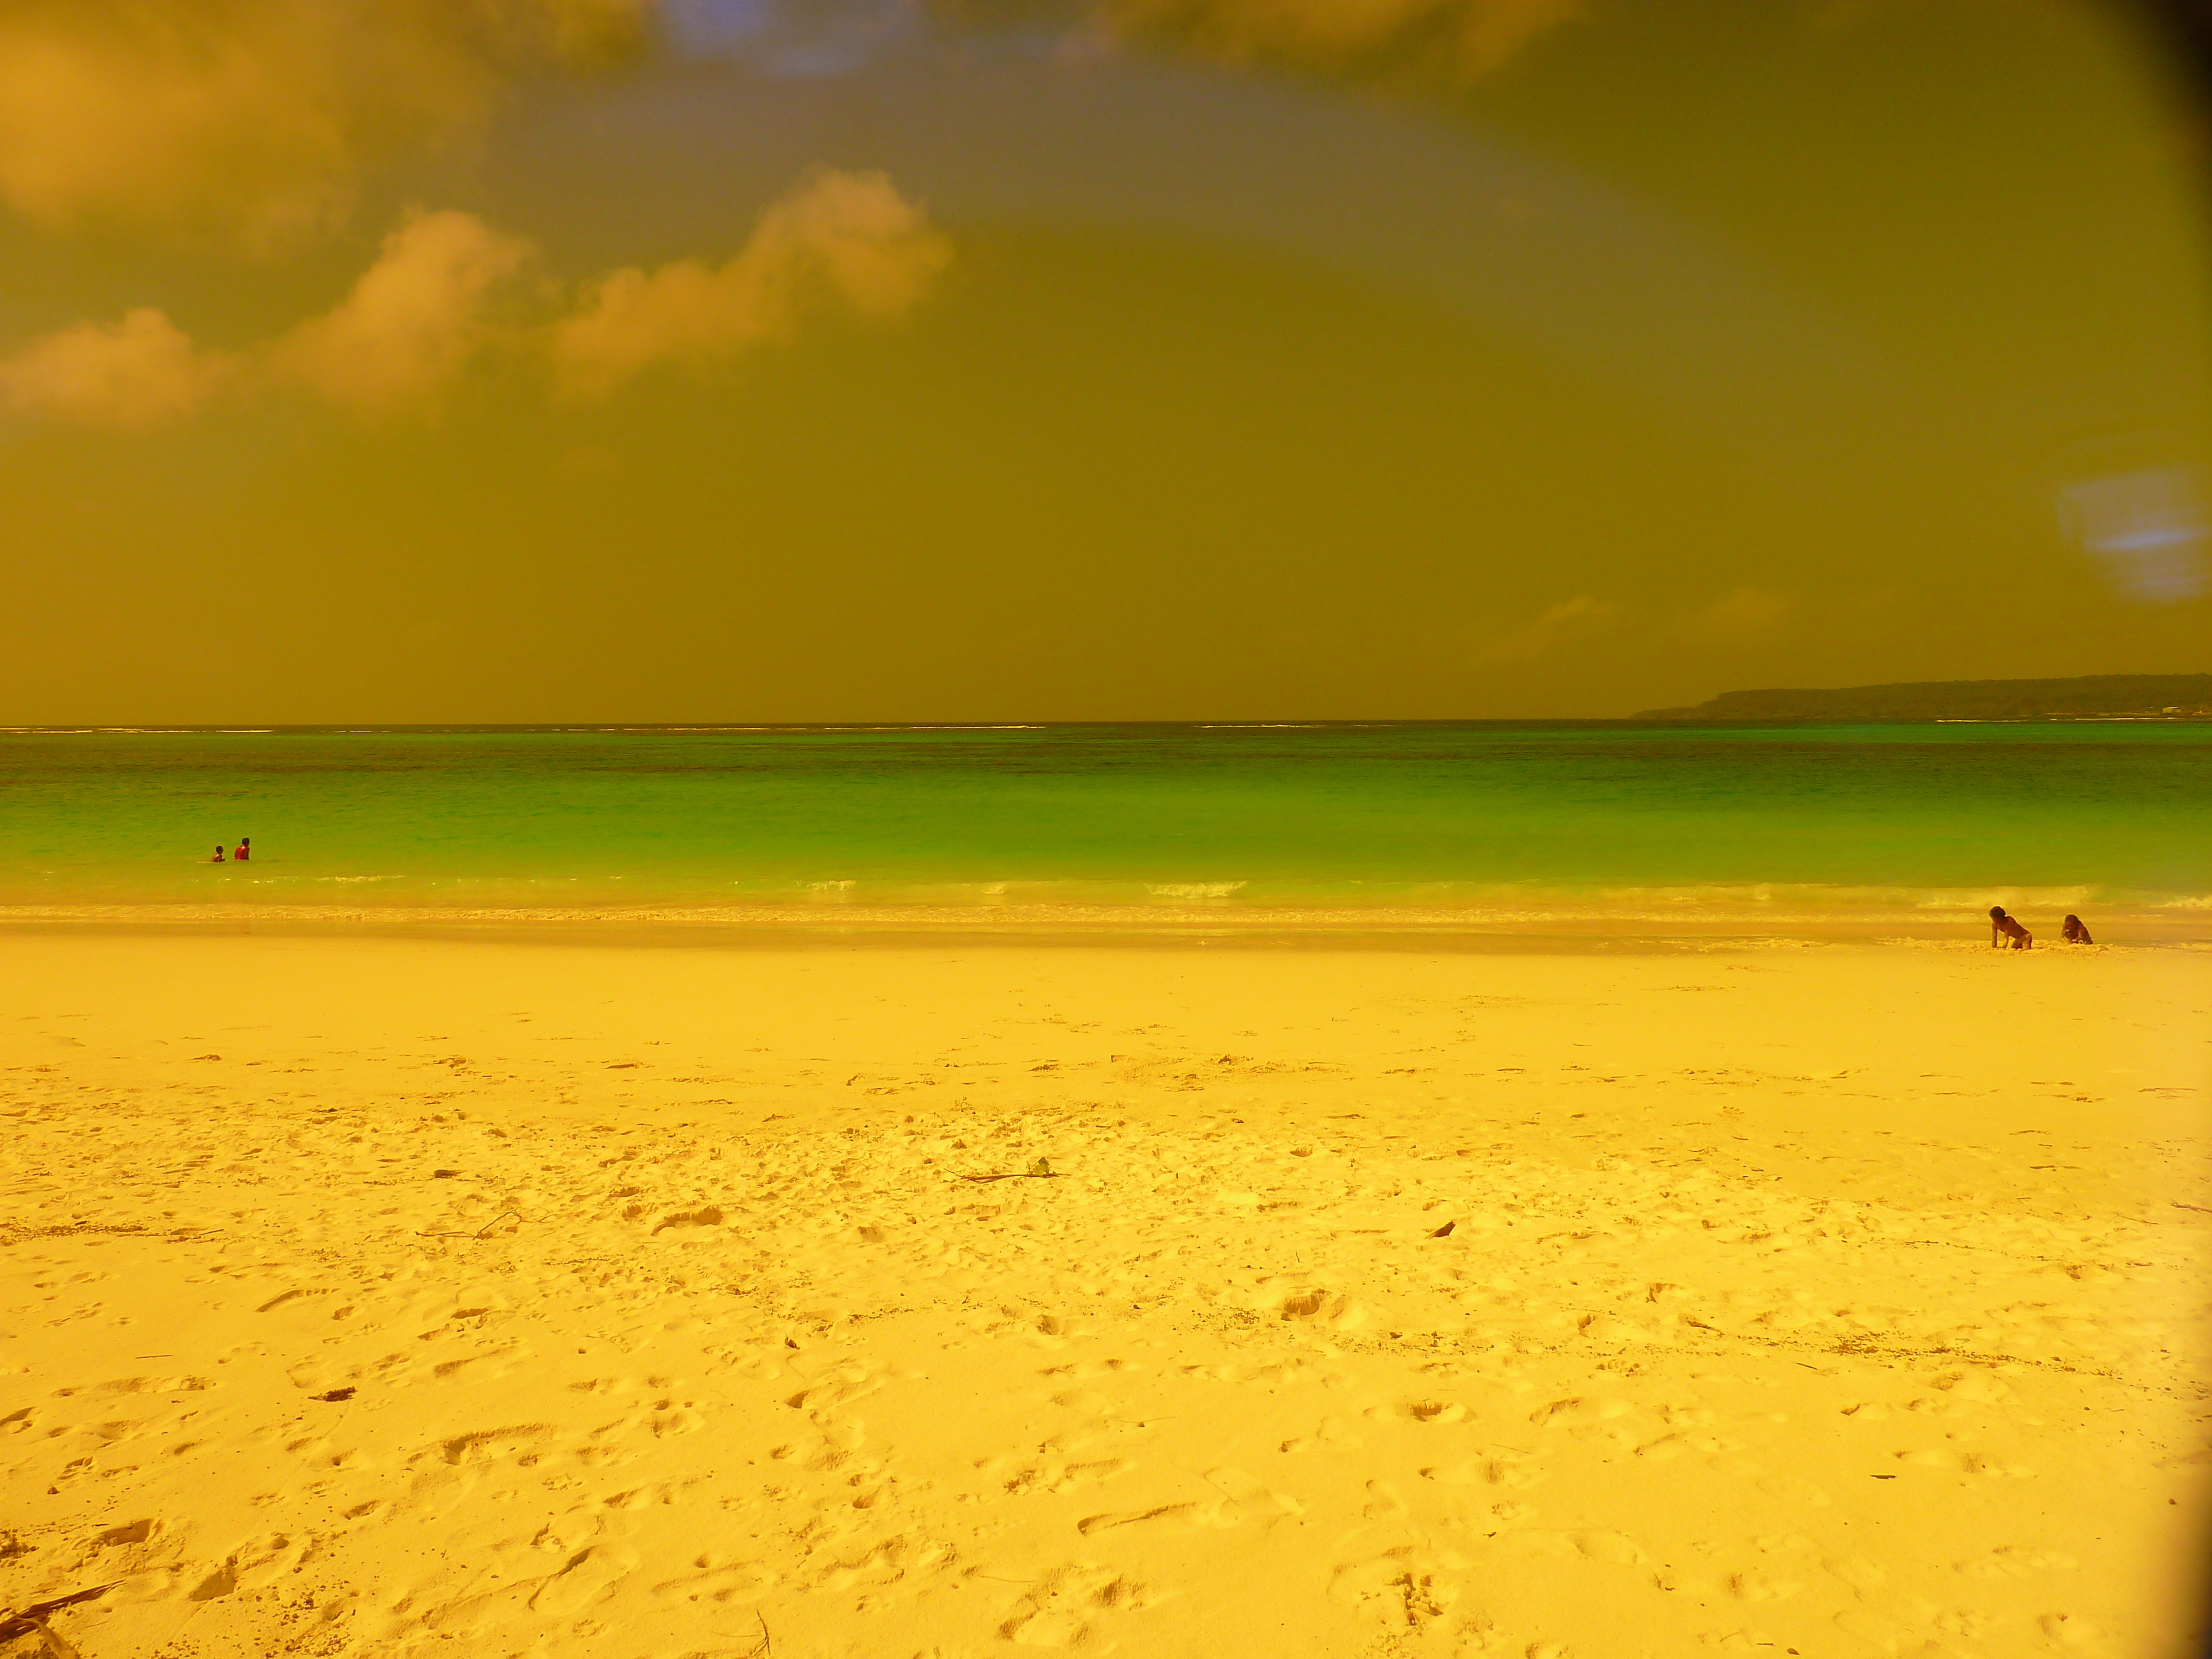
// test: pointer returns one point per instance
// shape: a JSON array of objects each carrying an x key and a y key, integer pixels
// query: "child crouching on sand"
[{"x": 2006, "y": 933}]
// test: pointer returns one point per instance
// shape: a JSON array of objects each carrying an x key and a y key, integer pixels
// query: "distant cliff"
[{"x": 2145, "y": 695}]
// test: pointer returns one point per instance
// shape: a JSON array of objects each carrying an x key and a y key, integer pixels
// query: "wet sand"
[{"x": 396, "y": 1295}]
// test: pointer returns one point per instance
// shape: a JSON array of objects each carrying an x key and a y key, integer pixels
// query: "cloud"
[
  {"x": 137, "y": 372},
  {"x": 846, "y": 241},
  {"x": 1571, "y": 619},
  {"x": 1465, "y": 38},
  {"x": 405, "y": 332},
  {"x": 2150, "y": 529},
  {"x": 253, "y": 119},
  {"x": 445, "y": 287},
  {"x": 581, "y": 31},
  {"x": 413, "y": 320},
  {"x": 1743, "y": 615}
]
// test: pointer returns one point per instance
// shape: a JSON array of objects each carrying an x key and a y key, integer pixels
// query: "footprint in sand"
[
  {"x": 2071, "y": 1632},
  {"x": 1979, "y": 1388},
  {"x": 1333, "y": 1432},
  {"x": 740, "y": 1581},
  {"x": 488, "y": 1366},
  {"x": 1962, "y": 1462},
  {"x": 1499, "y": 1467},
  {"x": 1408, "y": 1588},
  {"x": 836, "y": 1448},
  {"x": 1588, "y": 1543},
  {"x": 489, "y": 1445},
  {"x": 1424, "y": 1411},
  {"x": 322, "y": 1454},
  {"x": 876, "y": 1564},
  {"x": 1565, "y": 1413},
  {"x": 837, "y": 1388},
  {"x": 586, "y": 1577},
  {"x": 1253, "y": 1496},
  {"x": 2011, "y": 1561},
  {"x": 707, "y": 1215},
  {"x": 1383, "y": 1502},
  {"x": 1336, "y": 1311},
  {"x": 217, "y": 1584},
  {"x": 254, "y": 1564},
  {"x": 276, "y": 1302},
  {"x": 1757, "y": 1587},
  {"x": 1061, "y": 1611},
  {"x": 1222, "y": 1514},
  {"x": 1053, "y": 1476}
]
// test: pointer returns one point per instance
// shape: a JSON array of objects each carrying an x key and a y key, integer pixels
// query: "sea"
[{"x": 1504, "y": 828}]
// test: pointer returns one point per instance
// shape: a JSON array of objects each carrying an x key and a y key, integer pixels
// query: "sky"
[{"x": 553, "y": 360}]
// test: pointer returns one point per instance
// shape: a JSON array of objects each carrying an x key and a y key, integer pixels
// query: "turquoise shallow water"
[{"x": 1526, "y": 821}]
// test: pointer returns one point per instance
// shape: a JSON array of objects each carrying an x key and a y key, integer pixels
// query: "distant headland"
[{"x": 2094, "y": 696}]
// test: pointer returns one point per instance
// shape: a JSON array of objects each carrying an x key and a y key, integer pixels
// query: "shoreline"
[{"x": 1592, "y": 930}]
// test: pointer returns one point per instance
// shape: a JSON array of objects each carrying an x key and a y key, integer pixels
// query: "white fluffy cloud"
[
  {"x": 846, "y": 241},
  {"x": 137, "y": 372},
  {"x": 447, "y": 287},
  {"x": 412, "y": 321},
  {"x": 254, "y": 118}
]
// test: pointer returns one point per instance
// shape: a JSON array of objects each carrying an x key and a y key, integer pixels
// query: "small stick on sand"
[
  {"x": 1040, "y": 1171},
  {"x": 481, "y": 1232}
]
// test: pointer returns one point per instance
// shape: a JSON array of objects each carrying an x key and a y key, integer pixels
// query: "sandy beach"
[{"x": 397, "y": 1296}]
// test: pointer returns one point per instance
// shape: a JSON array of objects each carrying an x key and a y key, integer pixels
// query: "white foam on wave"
[
  {"x": 1977, "y": 898},
  {"x": 1193, "y": 890}
]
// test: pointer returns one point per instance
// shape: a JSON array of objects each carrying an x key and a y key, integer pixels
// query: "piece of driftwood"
[
  {"x": 25, "y": 1620},
  {"x": 481, "y": 1232}
]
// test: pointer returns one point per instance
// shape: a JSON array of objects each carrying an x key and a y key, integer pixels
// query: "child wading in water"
[{"x": 2005, "y": 933}]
